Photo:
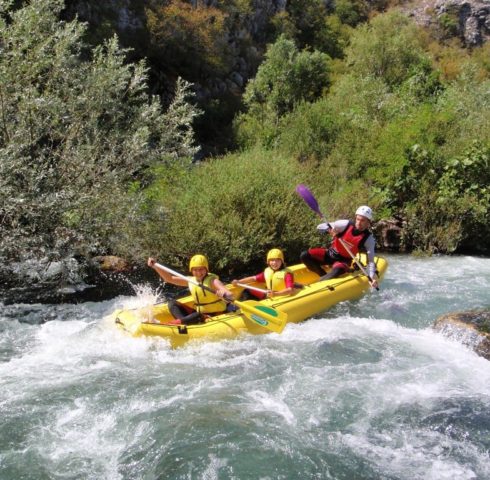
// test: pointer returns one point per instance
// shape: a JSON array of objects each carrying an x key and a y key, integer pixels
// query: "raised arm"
[{"x": 166, "y": 277}]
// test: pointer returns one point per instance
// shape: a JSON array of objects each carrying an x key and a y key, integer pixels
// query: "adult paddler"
[{"x": 348, "y": 237}]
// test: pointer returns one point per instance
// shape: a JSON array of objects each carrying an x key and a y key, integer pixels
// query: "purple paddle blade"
[{"x": 307, "y": 196}]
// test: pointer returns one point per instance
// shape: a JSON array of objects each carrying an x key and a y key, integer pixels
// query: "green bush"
[
  {"x": 351, "y": 12},
  {"x": 446, "y": 203},
  {"x": 309, "y": 132},
  {"x": 286, "y": 78},
  {"x": 189, "y": 39},
  {"x": 389, "y": 47},
  {"x": 232, "y": 209},
  {"x": 449, "y": 23},
  {"x": 306, "y": 22},
  {"x": 308, "y": 18},
  {"x": 464, "y": 192}
]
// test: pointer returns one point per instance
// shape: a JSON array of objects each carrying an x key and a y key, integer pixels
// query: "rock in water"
[{"x": 470, "y": 328}]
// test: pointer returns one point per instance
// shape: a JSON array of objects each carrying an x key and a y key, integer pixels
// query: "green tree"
[
  {"x": 286, "y": 78},
  {"x": 309, "y": 132},
  {"x": 464, "y": 192},
  {"x": 389, "y": 47},
  {"x": 352, "y": 12},
  {"x": 74, "y": 132},
  {"x": 189, "y": 39},
  {"x": 445, "y": 203}
]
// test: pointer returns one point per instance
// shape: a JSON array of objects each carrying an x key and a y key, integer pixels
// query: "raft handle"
[{"x": 182, "y": 329}]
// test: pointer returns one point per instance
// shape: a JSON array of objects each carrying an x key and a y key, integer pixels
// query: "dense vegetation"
[
  {"x": 362, "y": 111},
  {"x": 75, "y": 133}
]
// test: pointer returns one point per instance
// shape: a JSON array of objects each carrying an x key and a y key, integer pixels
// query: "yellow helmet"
[
  {"x": 275, "y": 253},
  {"x": 198, "y": 261}
]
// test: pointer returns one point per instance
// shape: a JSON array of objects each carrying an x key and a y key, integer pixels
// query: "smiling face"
[
  {"x": 362, "y": 223},
  {"x": 199, "y": 273},
  {"x": 275, "y": 263}
]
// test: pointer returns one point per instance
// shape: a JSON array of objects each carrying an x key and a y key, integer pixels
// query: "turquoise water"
[{"x": 365, "y": 391}]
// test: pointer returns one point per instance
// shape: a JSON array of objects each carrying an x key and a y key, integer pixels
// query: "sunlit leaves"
[{"x": 75, "y": 128}]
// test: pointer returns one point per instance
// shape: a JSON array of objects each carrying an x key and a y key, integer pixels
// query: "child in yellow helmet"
[
  {"x": 205, "y": 302},
  {"x": 278, "y": 279}
]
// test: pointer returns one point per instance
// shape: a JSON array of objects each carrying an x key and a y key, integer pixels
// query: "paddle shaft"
[
  {"x": 257, "y": 289},
  {"x": 187, "y": 279},
  {"x": 359, "y": 264}
]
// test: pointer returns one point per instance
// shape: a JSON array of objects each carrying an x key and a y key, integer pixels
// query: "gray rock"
[
  {"x": 68, "y": 279},
  {"x": 471, "y": 328},
  {"x": 237, "y": 79},
  {"x": 473, "y": 17},
  {"x": 389, "y": 235}
]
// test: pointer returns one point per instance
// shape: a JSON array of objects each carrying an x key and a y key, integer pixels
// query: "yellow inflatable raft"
[{"x": 313, "y": 297}]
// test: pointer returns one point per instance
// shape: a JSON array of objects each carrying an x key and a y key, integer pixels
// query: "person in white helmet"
[{"x": 356, "y": 235}]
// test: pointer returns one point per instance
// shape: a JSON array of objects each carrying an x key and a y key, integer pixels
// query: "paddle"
[
  {"x": 257, "y": 289},
  {"x": 262, "y": 315},
  {"x": 308, "y": 197}
]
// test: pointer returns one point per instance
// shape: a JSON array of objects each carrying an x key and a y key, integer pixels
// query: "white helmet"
[{"x": 365, "y": 211}]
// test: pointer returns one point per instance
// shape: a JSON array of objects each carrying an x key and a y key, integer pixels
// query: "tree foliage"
[
  {"x": 390, "y": 132},
  {"x": 190, "y": 39},
  {"x": 389, "y": 47},
  {"x": 74, "y": 132},
  {"x": 446, "y": 203},
  {"x": 89, "y": 158},
  {"x": 287, "y": 77}
]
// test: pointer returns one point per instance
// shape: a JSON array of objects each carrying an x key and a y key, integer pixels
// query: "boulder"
[
  {"x": 69, "y": 279},
  {"x": 472, "y": 15},
  {"x": 389, "y": 235},
  {"x": 470, "y": 328},
  {"x": 111, "y": 263}
]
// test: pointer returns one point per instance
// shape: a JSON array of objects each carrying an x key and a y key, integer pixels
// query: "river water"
[{"x": 366, "y": 390}]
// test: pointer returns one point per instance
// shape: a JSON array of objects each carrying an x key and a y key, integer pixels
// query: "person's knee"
[
  {"x": 193, "y": 318},
  {"x": 173, "y": 305},
  {"x": 305, "y": 255},
  {"x": 176, "y": 309},
  {"x": 335, "y": 272}
]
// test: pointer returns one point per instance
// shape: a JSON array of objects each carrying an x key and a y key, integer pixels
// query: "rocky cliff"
[
  {"x": 246, "y": 31},
  {"x": 467, "y": 19}
]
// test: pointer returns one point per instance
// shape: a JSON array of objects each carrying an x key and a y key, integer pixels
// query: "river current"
[{"x": 365, "y": 391}]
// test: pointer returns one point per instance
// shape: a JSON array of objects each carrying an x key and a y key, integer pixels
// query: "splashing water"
[{"x": 366, "y": 390}]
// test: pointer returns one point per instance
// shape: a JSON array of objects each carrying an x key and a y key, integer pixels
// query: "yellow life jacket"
[
  {"x": 274, "y": 280},
  {"x": 204, "y": 300}
]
